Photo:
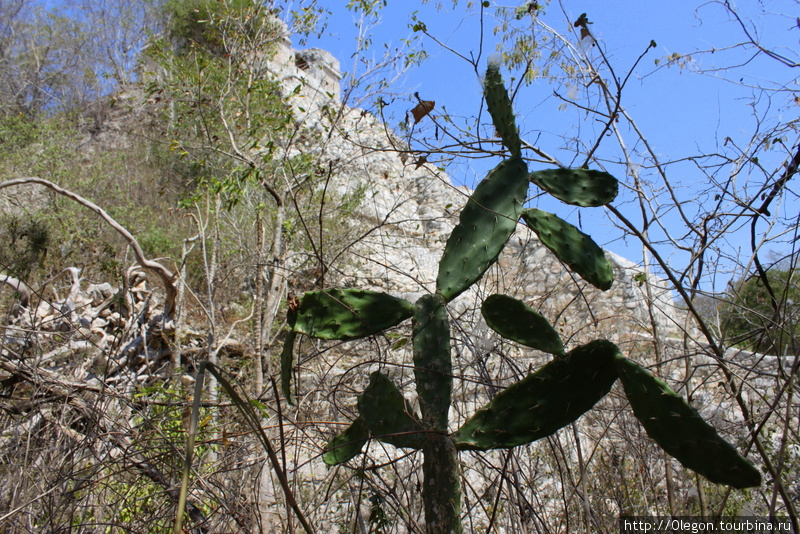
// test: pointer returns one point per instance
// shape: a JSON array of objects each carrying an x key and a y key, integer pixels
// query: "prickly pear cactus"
[
  {"x": 544, "y": 401},
  {"x": 348, "y": 444},
  {"x": 349, "y": 313},
  {"x": 485, "y": 224},
  {"x": 579, "y": 187},
  {"x": 572, "y": 246},
  {"x": 385, "y": 415},
  {"x": 515, "y": 320},
  {"x": 388, "y": 414},
  {"x": 539, "y": 404},
  {"x": 433, "y": 367},
  {"x": 681, "y": 432},
  {"x": 339, "y": 314},
  {"x": 500, "y": 109}
]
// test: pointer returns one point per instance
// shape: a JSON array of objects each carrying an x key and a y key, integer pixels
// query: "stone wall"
[{"x": 312, "y": 76}]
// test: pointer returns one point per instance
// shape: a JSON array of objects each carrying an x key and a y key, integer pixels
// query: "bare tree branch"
[{"x": 168, "y": 278}]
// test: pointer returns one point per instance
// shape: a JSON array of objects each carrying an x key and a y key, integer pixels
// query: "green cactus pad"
[
  {"x": 348, "y": 444},
  {"x": 580, "y": 187},
  {"x": 433, "y": 366},
  {"x": 572, "y": 246},
  {"x": 287, "y": 360},
  {"x": 499, "y": 104},
  {"x": 349, "y": 313},
  {"x": 681, "y": 432},
  {"x": 388, "y": 414},
  {"x": 543, "y": 402},
  {"x": 515, "y": 320},
  {"x": 485, "y": 224}
]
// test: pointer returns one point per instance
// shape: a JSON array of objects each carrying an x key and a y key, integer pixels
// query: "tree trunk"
[
  {"x": 441, "y": 491},
  {"x": 276, "y": 284},
  {"x": 259, "y": 309}
]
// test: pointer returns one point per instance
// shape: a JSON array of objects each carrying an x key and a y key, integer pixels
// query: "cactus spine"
[{"x": 539, "y": 404}]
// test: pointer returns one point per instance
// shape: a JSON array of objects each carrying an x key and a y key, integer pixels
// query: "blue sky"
[{"x": 685, "y": 108}]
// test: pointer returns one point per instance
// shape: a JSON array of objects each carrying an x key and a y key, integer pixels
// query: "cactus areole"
[{"x": 539, "y": 404}]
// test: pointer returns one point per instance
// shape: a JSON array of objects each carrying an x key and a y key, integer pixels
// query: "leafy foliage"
[
  {"x": 23, "y": 244},
  {"x": 753, "y": 321},
  {"x": 218, "y": 98}
]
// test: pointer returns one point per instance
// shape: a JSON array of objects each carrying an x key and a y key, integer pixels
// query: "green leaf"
[
  {"x": 515, "y": 320},
  {"x": 573, "y": 247},
  {"x": 400, "y": 343},
  {"x": 681, "y": 432}
]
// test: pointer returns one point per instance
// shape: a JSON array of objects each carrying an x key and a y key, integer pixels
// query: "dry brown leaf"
[{"x": 423, "y": 108}]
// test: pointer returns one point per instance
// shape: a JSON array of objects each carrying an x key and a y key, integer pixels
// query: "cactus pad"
[
  {"x": 543, "y": 402},
  {"x": 388, "y": 415},
  {"x": 349, "y": 313},
  {"x": 287, "y": 360},
  {"x": 681, "y": 432},
  {"x": 572, "y": 246},
  {"x": 433, "y": 366},
  {"x": 580, "y": 187},
  {"x": 485, "y": 224},
  {"x": 515, "y": 320},
  {"x": 348, "y": 444},
  {"x": 499, "y": 104}
]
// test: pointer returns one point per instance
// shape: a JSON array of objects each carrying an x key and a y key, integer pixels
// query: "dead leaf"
[
  {"x": 420, "y": 161},
  {"x": 423, "y": 108},
  {"x": 186, "y": 415},
  {"x": 582, "y": 21},
  {"x": 293, "y": 303}
]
